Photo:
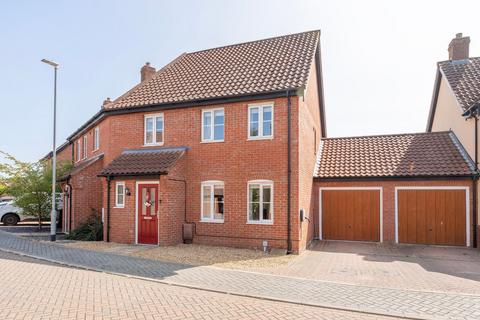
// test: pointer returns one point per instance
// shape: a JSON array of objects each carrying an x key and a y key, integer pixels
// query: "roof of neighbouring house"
[
  {"x": 80, "y": 166},
  {"x": 464, "y": 79},
  {"x": 144, "y": 162},
  {"x": 400, "y": 155},
  {"x": 269, "y": 65}
]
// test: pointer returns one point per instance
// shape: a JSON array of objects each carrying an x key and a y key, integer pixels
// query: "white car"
[{"x": 10, "y": 214}]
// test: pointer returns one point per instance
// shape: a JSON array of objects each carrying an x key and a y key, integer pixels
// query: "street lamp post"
[{"x": 53, "y": 213}]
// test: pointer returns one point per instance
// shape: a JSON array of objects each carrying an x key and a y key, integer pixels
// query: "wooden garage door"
[
  {"x": 432, "y": 217},
  {"x": 351, "y": 215}
]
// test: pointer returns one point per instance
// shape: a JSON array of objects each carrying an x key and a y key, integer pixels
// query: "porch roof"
[{"x": 143, "y": 162}]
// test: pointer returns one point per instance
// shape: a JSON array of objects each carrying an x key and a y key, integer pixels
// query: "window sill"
[
  {"x": 153, "y": 145},
  {"x": 211, "y": 221},
  {"x": 259, "y": 138},
  {"x": 212, "y": 141},
  {"x": 96, "y": 150},
  {"x": 268, "y": 223},
  {"x": 118, "y": 207}
]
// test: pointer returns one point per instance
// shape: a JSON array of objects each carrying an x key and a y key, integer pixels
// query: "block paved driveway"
[
  {"x": 377, "y": 300},
  {"x": 425, "y": 268},
  {"x": 31, "y": 289}
]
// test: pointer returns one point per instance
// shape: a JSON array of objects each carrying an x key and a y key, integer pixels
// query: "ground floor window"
[
  {"x": 212, "y": 196},
  {"x": 120, "y": 194},
  {"x": 260, "y": 201}
]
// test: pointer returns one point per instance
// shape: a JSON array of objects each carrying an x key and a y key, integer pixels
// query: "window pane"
[
  {"x": 254, "y": 115},
  {"x": 207, "y": 193},
  {"x": 267, "y": 212},
  {"x": 218, "y": 117},
  {"x": 159, "y": 130},
  {"x": 266, "y": 193},
  {"x": 267, "y": 113},
  {"x": 254, "y": 193},
  {"x": 149, "y": 130},
  {"x": 267, "y": 128},
  {"x": 120, "y": 194},
  {"x": 253, "y": 129},
  {"x": 144, "y": 199},
  {"x": 207, "y": 125},
  {"x": 218, "y": 132},
  {"x": 218, "y": 204},
  {"x": 254, "y": 211},
  {"x": 153, "y": 202}
]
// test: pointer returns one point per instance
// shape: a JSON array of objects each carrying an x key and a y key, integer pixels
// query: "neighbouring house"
[
  {"x": 456, "y": 102},
  {"x": 220, "y": 144},
  {"x": 402, "y": 188}
]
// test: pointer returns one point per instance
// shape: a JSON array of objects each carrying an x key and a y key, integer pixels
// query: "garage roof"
[{"x": 401, "y": 155}]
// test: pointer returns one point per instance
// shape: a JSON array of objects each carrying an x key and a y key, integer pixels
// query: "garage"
[
  {"x": 432, "y": 215},
  {"x": 401, "y": 188},
  {"x": 351, "y": 214}
]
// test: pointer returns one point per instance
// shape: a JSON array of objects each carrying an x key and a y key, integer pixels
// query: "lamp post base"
[{"x": 53, "y": 237}]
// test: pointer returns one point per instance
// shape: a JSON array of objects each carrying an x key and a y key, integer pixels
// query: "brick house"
[{"x": 221, "y": 142}]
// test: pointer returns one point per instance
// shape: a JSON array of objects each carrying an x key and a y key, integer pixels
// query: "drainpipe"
[
  {"x": 109, "y": 179},
  {"x": 70, "y": 196},
  {"x": 475, "y": 187},
  {"x": 289, "y": 173}
]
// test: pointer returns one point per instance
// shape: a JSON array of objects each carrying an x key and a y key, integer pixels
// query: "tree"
[{"x": 30, "y": 184}]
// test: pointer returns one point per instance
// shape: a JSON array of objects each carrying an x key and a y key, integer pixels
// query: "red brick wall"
[
  {"x": 388, "y": 198},
  {"x": 234, "y": 161},
  {"x": 309, "y": 138},
  {"x": 87, "y": 193}
]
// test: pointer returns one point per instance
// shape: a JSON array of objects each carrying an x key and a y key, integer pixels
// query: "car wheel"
[{"x": 10, "y": 219}]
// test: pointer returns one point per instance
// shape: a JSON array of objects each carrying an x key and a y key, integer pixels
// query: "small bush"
[{"x": 91, "y": 230}]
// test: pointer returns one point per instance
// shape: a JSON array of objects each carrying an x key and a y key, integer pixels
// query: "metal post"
[{"x": 53, "y": 213}]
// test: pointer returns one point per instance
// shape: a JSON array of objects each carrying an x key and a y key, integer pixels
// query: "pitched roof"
[
  {"x": 464, "y": 79},
  {"x": 268, "y": 65},
  {"x": 80, "y": 166},
  {"x": 401, "y": 155},
  {"x": 143, "y": 162}
]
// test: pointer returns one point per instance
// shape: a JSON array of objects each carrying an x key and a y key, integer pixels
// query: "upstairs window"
[
  {"x": 260, "y": 121},
  {"x": 79, "y": 150},
  {"x": 213, "y": 125},
  {"x": 153, "y": 129},
  {"x": 260, "y": 202},
  {"x": 85, "y": 149},
  {"x": 96, "y": 138},
  {"x": 212, "y": 201}
]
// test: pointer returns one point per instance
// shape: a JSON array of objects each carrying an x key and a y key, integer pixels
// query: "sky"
[{"x": 379, "y": 57}]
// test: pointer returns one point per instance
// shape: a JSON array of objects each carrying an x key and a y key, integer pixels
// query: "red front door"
[{"x": 147, "y": 199}]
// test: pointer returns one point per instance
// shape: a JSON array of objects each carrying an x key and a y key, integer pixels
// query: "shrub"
[{"x": 91, "y": 230}]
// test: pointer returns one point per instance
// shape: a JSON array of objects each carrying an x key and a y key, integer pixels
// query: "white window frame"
[
  {"x": 211, "y": 184},
  {"x": 85, "y": 147},
  {"x": 262, "y": 183},
  {"x": 212, "y": 128},
  {"x": 260, "y": 107},
  {"x": 117, "y": 204},
  {"x": 154, "y": 142},
  {"x": 79, "y": 150},
  {"x": 96, "y": 138}
]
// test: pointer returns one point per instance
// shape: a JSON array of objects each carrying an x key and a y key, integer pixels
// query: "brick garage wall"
[
  {"x": 309, "y": 129},
  {"x": 388, "y": 197},
  {"x": 87, "y": 193}
]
